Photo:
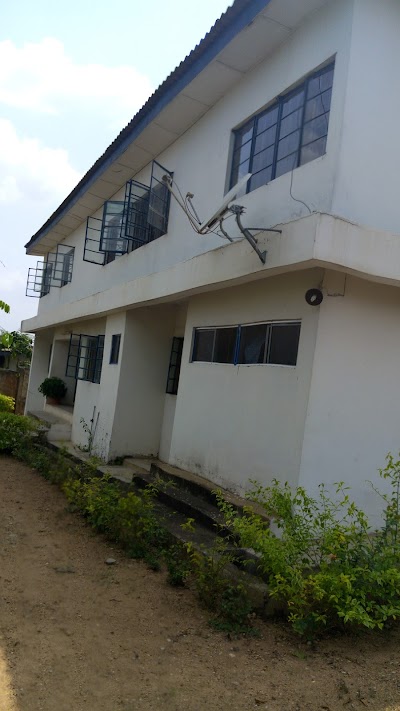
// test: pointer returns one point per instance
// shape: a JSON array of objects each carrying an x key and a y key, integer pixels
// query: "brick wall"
[{"x": 15, "y": 384}]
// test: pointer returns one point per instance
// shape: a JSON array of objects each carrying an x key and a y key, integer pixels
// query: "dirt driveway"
[{"x": 77, "y": 634}]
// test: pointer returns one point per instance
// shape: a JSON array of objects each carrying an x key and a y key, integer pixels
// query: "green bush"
[
  {"x": 127, "y": 519},
  {"x": 7, "y": 404},
  {"x": 15, "y": 431},
  {"x": 325, "y": 564}
]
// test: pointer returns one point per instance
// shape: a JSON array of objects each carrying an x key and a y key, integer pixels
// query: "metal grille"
[
  {"x": 85, "y": 357},
  {"x": 159, "y": 200},
  {"x": 125, "y": 226},
  {"x": 136, "y": 226},
  {"x": 55, "y": 270},
  {"x": 91, "y": 250},
  {"x": 112, "y": 239},
  {"x": 174, "y": 366}
]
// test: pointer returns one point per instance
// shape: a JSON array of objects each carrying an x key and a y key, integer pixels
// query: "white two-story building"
[{"x": 176, "y": 335}]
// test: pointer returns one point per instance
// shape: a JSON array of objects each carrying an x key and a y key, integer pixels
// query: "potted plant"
[{"x": 54, "y": 389}]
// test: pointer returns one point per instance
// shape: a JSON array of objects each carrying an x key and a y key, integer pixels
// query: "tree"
[
  {"x": 4, "y": 339},
  {"x": 19, "y": 344}
]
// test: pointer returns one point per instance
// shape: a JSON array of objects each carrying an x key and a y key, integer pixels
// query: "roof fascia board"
[{"x": 245, "y": 17}]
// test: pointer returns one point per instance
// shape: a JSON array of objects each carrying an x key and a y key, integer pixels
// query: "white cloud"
[
  {"x": 31, "y": 170},
  {"x": 40, "y": 76}
]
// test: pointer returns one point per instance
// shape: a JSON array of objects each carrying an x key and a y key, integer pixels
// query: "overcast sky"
[{"x": 71, "y": 77}]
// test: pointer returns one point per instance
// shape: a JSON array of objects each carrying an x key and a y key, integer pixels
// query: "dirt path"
[{"x": 78, "y": 634}]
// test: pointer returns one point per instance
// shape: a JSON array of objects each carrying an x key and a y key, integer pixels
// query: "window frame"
[
  {"x": 277, "y": 105},
  {"x": 85, "y": 357},
  {"x": 115, "y": 348},
  {"x": 174, "y": 368},
  {"x": 269, "y": 326}
]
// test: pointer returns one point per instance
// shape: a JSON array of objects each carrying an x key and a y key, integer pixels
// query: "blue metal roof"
[{"x": 235, "y": 19}]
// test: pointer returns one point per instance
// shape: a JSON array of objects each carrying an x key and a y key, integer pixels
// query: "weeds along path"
[{"x": 77, "y": 634}]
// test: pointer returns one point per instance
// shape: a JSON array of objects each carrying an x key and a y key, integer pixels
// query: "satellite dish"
[{"x": 217, "y": 214}]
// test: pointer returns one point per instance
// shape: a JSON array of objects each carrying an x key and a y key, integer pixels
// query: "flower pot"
[{"x": 53, "y": 401}]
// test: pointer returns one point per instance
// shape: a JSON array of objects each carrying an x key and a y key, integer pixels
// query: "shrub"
[
  {"x": 15, "y": 431},
  {"x": 326, "y": 565},
  {"x": 53, "y": 387},
  {"x": 7, "y": 404},
  {"x": 128, "y": 519}
]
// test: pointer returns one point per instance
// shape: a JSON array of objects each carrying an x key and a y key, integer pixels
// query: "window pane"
[
  {"x": 242, "y": 153},
  {"x": 291, "y": 123},
  {"x": 203, "y": 345},
  {"x": 293, "y": 103},
  {"x": 244, "y": 168},
  {"x": 239, "y": 172},
  {"x": 320, "y": 83},
  {"x": 326, "y": 80},
  {"x": 284, "y": 344},
  {"x": 115, "y": 344},
  {"x": 313, "y": 150},
  {"x": 261, "y": 178},
  {"x": 174, "y": 365},
  {"x": 225, "y": 343},
  {"x": 263, "y": 159},
  {"x": 317, "y": 128},
  {"x": 320, "y": 104},
  {"x": 288, "y": 145},
  {"x": 244, "y": 134},
  {"x": 252, "y": 344},
  {"x": 268, "y": 119},
  {"x": 265, "y": 139},
  {"x": 286, "y": 165}
]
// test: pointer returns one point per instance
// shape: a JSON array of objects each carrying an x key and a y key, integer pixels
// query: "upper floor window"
[
  {"x": 289, "y": 133},
  {"x": 54, "y": 270},
  {"x": 130, "y": 223}
]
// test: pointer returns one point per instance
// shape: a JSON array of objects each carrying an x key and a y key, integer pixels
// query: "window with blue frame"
[
  {"x": 273, "y": 343},
  {"x": 289, "y": 133}
]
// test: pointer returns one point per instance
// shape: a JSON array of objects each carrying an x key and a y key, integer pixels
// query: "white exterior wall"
[
  {"x": 170, "y": 400},
  {"x": 200, "y": 160},
  {"x": 367, "y": 183},
  {"x": 39, "y": 370},
  {"x": 57, "y": 368},
  {"x": 235, "y": 423},
  {"x": 353, "y": 412},
  {"x": 141, "y": 390}
]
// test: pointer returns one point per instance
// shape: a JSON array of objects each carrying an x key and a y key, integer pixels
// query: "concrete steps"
[
  {"x": 56, "y": 428},
  {"x": 188, "y": 495},
  {"x": 183, "y": 495}
]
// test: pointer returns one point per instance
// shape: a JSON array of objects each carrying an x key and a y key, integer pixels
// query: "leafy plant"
[
  {"x": 19, "y": 344},
  {"x": 228, "y": 602},
  {"x": 15, "y": 431},
  {"x": 326, "y": 565},
  {"x": 178, "y": 565},
  {"x": 127, "y": 519},
  {"x": 53, "y": 387},
  {"x": 7, "y": 404}
]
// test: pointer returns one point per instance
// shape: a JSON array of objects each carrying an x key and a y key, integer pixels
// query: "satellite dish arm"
[{"x": 238, "y": 210}]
